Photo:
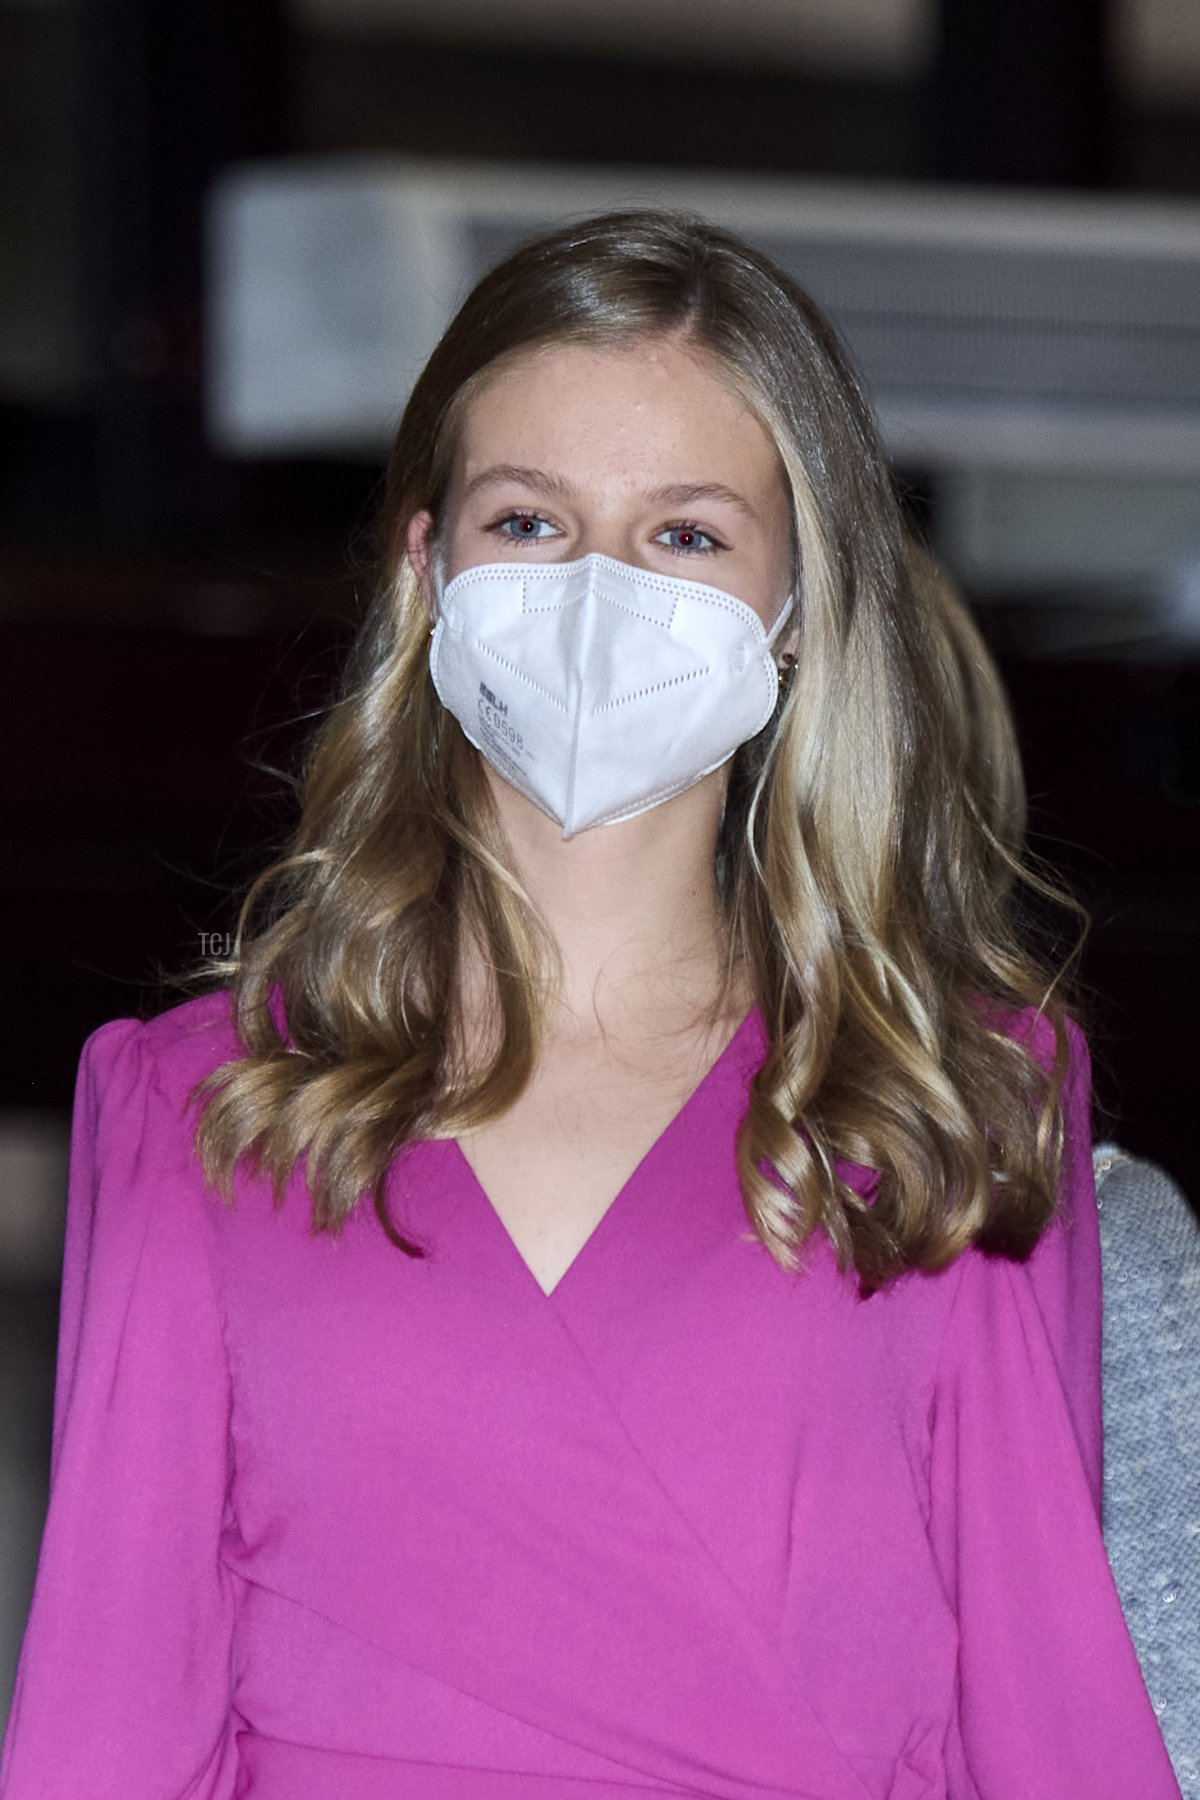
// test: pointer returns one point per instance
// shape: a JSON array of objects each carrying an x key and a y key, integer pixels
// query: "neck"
[{"x": 634, "y": 911}]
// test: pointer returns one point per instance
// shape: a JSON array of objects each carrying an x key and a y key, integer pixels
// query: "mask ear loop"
[
  {"x": 787, "y": 661},
  {"x": 437, "y": 579}
]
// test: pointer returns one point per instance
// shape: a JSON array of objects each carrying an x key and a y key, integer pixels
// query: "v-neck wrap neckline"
[{"x": 730, "y": 1069}]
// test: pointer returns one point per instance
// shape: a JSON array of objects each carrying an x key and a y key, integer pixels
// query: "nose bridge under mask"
[
  {"x": 599, "y": 578},
  {"x": 632, "y": 590},
  {"x": 623, "y": 635}
]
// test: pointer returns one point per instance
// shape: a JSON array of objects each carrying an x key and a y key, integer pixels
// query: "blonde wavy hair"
[{"x": 868, "y": 865}]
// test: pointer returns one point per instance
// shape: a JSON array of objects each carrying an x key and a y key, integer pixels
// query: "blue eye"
[
  {"x": 523, "y": 528},
  {"x": 687, "y": 540}
]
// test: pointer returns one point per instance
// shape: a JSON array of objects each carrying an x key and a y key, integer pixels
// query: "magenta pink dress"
[{"x": 328, "y": 1523}]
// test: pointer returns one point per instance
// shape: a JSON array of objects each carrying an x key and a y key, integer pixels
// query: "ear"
[{"x": 418, "y": 544}]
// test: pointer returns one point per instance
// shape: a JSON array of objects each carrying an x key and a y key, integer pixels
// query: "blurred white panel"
[
  {"x": 1157, "y": 48},
  {"x": 886, "y": 37},
  {"x": 1016, "y": 528},
  {"x": 34, "y": 1150},
  {"x": 328, "y": 288},
  {"x": 993, "y": 329},
  {"x": 1038, "y": 353}
]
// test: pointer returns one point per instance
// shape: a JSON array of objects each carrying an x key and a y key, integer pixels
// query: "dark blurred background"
[{"x": 173, "y": 604}]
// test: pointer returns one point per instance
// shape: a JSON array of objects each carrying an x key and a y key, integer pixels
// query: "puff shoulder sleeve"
[
  {"x": 1051, "y": 1700},
  {"x": 123, "y": 1685}
]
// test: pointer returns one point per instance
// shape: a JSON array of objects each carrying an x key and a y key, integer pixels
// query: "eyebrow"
[
  {"x": 680, "y": 493},
  {"x": 514, "y": 472}
]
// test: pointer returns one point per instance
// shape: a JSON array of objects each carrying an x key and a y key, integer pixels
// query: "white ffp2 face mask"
[{"x": 599, "y": 689}]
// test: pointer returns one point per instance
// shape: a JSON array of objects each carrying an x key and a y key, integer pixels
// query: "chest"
[
  {"x": 683, "y": 1437},
  {"x": 683, "y": 1461}
]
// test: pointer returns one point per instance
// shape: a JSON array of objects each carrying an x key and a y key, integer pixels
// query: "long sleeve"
[
  {"x": 123, "y": 1685},
  {"x": 1051, "y": 1700}
]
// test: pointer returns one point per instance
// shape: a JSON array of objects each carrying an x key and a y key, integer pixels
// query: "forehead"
[{"x": 658, "y": 407}]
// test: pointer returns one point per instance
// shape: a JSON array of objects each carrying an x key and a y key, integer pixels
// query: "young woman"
[{"x": 651, "y": 1346}]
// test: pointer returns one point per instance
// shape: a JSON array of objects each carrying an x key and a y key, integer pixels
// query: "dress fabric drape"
[{"x": 326, "y": 1520}]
